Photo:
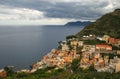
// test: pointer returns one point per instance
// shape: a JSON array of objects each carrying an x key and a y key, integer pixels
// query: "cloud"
[
  {"x": 25, "y": 16},
  {"x": 77, "y": 9},
  {"x": 56, "y": 9},
  {"x": 9, "y": 13}
]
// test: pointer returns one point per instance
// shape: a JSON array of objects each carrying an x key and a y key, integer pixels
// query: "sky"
[{"x": 53, "y": 12}]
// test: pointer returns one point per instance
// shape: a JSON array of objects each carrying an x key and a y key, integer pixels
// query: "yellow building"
[
  {"x": 117, "y": 67},
  {"x": 74, "y": 43},
  {"x": 105, "y": 38}
]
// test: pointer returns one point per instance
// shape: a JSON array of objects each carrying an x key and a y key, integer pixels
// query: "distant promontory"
[{"x": 78, "y": 23}]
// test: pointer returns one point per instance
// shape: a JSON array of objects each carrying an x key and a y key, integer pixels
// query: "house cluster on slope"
[
  {"x": 90, "y": 54},
  {"x": 93, "y": 54},
  {"x": 61, "y": 57}
]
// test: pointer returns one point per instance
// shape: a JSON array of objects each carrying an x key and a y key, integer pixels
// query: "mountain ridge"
[{"x": 108, "y": 24}]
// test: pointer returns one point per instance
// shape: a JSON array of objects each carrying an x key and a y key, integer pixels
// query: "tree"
[
  {"x": 9, "y": 70},
  {"x": 111, "y": 56},
  {"x": 70, "y": 37},
  {"x": 75, "y": 65},
  {"x": 91, "y": 68}
]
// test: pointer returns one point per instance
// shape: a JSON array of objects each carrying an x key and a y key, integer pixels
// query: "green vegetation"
[
  {"x": 93, "y": 42},
  {"x": 115, "y": 48},
  {"x": 52, "y": 73},
  {"x": 111, "y": 56},
  {"x": 107, "y": 24},
  {"x": 92, "y": 68},
  {"x": 75, "y": 65},
  {"x": 70, "y": 37},
  {"x": 61, "y": 74},
  {"x": 9, "y": 70},
  {"x": 78, "y": 49},
  {"x": 39, "y": 74}
]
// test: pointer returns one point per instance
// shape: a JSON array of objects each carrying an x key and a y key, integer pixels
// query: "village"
[
  {"x": 102, "y": 55},
  {"x": 90, "y": 54}
]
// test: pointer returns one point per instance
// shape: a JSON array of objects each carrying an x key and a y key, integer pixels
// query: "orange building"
[
  {"x": 103, "y": 47},
  {"x": 3, "y": 73}
]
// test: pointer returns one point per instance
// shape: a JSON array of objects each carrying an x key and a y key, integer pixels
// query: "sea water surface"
[{"x": 22, "y": 46}]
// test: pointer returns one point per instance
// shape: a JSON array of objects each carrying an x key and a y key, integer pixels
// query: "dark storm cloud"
[{"x": 76, "y": 9}]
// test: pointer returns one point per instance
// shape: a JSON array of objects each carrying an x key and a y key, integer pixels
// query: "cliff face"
[{"x": 107, "y": 24}]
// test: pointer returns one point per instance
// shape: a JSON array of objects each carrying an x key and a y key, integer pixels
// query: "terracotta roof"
[{"x": 103, "y": 45}]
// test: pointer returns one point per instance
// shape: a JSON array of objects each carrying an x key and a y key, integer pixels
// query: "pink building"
[{"x": 111, "y": 41}]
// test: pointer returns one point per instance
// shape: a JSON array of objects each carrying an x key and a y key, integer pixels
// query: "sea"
[{"x": 22, "y": 46}]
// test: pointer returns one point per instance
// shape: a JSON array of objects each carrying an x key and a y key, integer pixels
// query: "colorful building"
[
  {"x": 103, "y": 47},
  {"x": 105, "y": 38},
  {"x": 3, "y": 73},
  {"x": 111, "y": 41}
]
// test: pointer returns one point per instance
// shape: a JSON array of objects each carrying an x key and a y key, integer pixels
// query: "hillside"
[
  {"x": 107, "y": 24},
  {"x": 78, "y": 23}
]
